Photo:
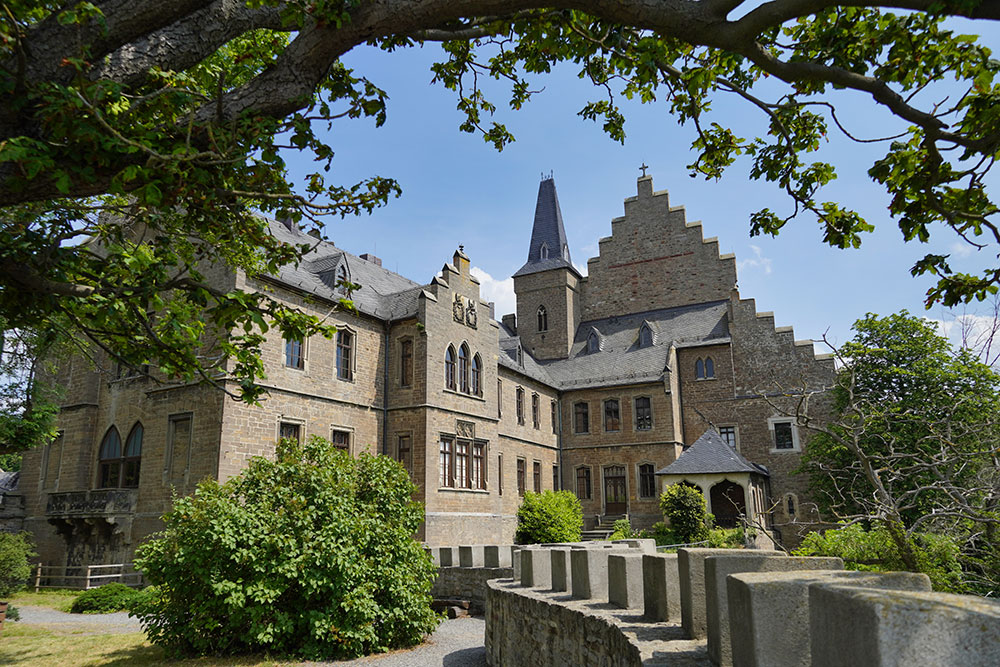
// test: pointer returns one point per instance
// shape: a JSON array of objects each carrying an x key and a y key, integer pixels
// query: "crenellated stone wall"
[{"x": 736, "y": 608}]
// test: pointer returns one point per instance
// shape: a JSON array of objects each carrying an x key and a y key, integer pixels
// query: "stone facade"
[{"x": 656, "y": 343}]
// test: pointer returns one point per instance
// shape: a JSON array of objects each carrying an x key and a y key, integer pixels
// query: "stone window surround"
[
  {"x": 635, "y": 413},
  {"x": 555, "y": 416},
  {"x": 286, "y": 419},
  {"x": 604, "y": 414},
  {"x": 708, "y": 368},
  {"x": 499, "y": 398},
  {"x": 405, "y": 361},
  {"x": 796, "y": 443},
  {"x": 453, "y": 487},
  {"x": 645, "y": 332},
  {"x": 408, "y": 464},
  {"x": 353, "y": 361},
  {"x": 303, "y": 354},
  {"x": 349, "y": 430},
  {"x": 522, "y": 475},
  {"x": 542, "y": 316},
  {"x": 736, "y": 434},
  {"x": 638, "y": 479},
  {"x": 169, "y": 450},
  {"x": 519, "y": 404},
  {"x": 536, "y": 476},
  {"x": 460, "y": 380},
  {"x": 536, "y": 410},
  {"x": 556, "y": 478}
]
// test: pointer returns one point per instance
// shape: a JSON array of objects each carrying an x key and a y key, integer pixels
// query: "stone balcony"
[{"x": 94, "y": 503}]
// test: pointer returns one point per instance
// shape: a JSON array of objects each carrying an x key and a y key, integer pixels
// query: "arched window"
[
  {"x": 449, "y": 368},
  {"x": 645, "y": 336},
  {"x": 543, "y": 319},
  {"x": 476, "y": 384},
  {"x": 699, "y": 369},
  {"x": 543, "y": 252},
  {"x": 709, "y": 368},
  {"x": 463, "y": 367},
  {"x": 132, "y": 457},
  {"x": 110, "y": 460},
  {"x": 593, "y": 342}
]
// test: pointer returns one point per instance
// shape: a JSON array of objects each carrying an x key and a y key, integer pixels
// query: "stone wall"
[
  {"x": 736, "y": 608},
  {"x": 467, "y": 583}
]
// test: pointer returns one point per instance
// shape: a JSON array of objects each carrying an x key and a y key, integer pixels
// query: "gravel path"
[
  {"x": 457, "y": 642},
  {"x": 62, "y": 622}
]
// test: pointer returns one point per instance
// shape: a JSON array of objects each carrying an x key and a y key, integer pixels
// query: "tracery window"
[
  {"x": 463, "y": 367},
  {"x": 543, "y": 319},
  {"x": 118, "y": 469}
]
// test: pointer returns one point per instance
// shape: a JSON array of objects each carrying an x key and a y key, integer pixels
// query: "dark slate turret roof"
[
  {"x": 8, "y": 481},
  {"x": 547, "y": 230},
  {"x": 710, "y": 454}
]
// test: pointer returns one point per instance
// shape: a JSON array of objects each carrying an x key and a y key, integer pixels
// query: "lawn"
[
  {"x": 32, "y": 646},
  {"x": 59, "y": 599}
]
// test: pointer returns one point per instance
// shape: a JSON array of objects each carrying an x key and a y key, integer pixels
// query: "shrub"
[
  {"x": 726, "y": 538},
  {"x": 661, "y": 534},
  {"x": 623, "y": 531},
  {"x": 874, "y": 550},
  {"x": 684, "y": 507},
  {"x": 104, "y": 599},
  {"x": 12, "y": 613},
  {"x": 15, "y": 550},
  {"x": 310, "y": 555},
  {"x": 549, "y": 516}
]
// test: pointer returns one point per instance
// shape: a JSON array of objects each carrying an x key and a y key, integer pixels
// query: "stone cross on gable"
[{"x": 644, "y": 167}]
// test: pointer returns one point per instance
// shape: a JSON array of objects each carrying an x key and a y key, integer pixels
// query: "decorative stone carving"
[
  {"x": 465, "y": 429},
  {"x": 470, "y": 315},
  {"x": 458, "y": 309}
]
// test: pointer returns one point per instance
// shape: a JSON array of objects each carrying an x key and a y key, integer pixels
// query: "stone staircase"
[{"x": 605, "y": 526}]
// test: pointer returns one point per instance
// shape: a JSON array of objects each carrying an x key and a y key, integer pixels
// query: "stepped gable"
[
  {"x": 383, "y": 293},
  {"x": 710, "y": 454},
  {"x": 549, "y": 248},
  {"x": 655, "y": 259},
  {"x": 620, "y": 360}
]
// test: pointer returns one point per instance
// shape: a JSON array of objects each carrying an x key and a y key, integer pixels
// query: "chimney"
[
  {"x": 368, "y": 257},
  {"x": 510, "y": 321},
  {"x": 288, "y": 223},
  {"x": 493, "y": 310}
]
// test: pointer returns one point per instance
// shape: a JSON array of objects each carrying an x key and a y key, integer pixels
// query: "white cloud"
[
  {"x": 960, "y": 249},
  {"x": 501, "y": 292},
  {"x": 757, "y": 262},
  {"x": 967, "y": 329}
]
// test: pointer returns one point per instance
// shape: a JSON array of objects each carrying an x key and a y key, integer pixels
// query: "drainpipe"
[{"x": 385, "y": 390}]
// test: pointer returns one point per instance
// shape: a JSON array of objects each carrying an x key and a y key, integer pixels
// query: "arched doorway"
[
  {"x": 615, "y": 491},
  {"x": 728, "y": 503}
]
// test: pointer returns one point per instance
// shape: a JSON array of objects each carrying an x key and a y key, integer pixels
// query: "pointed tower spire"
[{"x": 549, "y": 248}]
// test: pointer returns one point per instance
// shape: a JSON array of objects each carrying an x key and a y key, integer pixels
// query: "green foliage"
[
  {"x": 15, "y": 550},
  {"x": 12, "y": 613},
  {"x": 105, "y": 599},
  {"x": 684, "y": 507},
  {"x": 309, "y": 555},
  {"x": 661, "y": 533},
  {"x": 874, "y": 550},
  {"x": 726, "y": 538},
  {"x": 623, "y": 531},
  {"x": 549, "y": 516},
  {"x": 10, "y": 462}
]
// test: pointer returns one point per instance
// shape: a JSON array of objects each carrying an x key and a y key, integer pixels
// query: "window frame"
[
  {"x": 637, "y": 421},
  {"x": 499, "y": 398},
  {"x": 480, "y": 465},
  {"x": 576, "y": 416},
  {"x": 536, "y": 410},
  {"x": 640, "y": 486},
  {"x": 542, "y": 317},
  {"x": 536, "y": 476},
  {"x": 291, "y": 421},
  {"x": 464, "y": 356},
  {"x": 405, "y": 362},
  {"x": 446, "y": 462},
  {"x": 109, "y": 463},
  {"x": 519, "y": 404},
  {"x": 476, "y": 375},
  {"x": 735, "y": 444},
  {"x": 450, "y": 368},
  {"x": 605, "y": 404},
  {"x": 556, "y": 480},
  {"x": 796, "y": 444},
  {"x": 645, "y": 336},
  {"x": 291, "y": 355},
  {"x": 555, "y": 416},
  {"x": 408, "y": 461},
  {"x": 346, "y": 340},
  {"x": 348, "y": 432},
  {"x": 588, "y": 479},
  {"x": 522, "y": 471}
]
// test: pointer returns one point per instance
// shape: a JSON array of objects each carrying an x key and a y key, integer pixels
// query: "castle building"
[{"x": 648, "y": 371}]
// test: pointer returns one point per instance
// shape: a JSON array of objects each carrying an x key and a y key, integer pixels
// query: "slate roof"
[
  {"x": 710, "y": 454},
  {"x": 621, "y": 360},
  {"x": 509, "y": 343},
  {"x": 547, "y": 229},
  {"x": 383, "y": 293},
  {"x": 8, "y": 481}
]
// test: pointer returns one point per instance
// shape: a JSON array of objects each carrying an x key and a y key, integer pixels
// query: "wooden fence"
[{"x": 85, "y": 576}]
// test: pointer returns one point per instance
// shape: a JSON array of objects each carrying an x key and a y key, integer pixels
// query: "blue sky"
[{"x": 459, "y": 189}]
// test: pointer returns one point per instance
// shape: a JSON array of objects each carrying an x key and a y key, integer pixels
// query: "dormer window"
[
  {"x": 543, "y": 319},
  {"x": 645, "y": 335},
  {"x": 704, "y": 369},
  {"x": 565, "y": 252},
  {"x": 593, "y": 342},
  {"x": 520, "y": 356},
  {"x": 342, "y": 279},
  {"x": 543, "y": 252}
]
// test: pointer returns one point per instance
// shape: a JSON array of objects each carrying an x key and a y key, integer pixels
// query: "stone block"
[
  {"x": 560, "y": 569},
  {"x": 717, "y": 568},
  {"x": 515, "y": 561},
  {"x": 661, "y": 587},
  {"x": 496, "y": 555},
  {"x": 625, "y": 581},
  {"x": 868, "y": 626},
  {"x": 446, "y": 557},
  {"x": 433, "y": 553},
  {"x": 691, "y": 569},
  {"x": 471, "y": 556},
  {"x": 536, "y": 568},
  {"x": 769, "y": 611},
  {"x": 589, "y": 573},
  {"x": 645, "y": 545}
]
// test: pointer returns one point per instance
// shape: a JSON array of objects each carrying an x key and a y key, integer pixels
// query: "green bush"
[
  {"x": 15, "y": 550},
  {"x": 549, "y": 516},
  {"x": 104, "y": 599},
  {"x": 311, "y": 555},
  {"x": 874, "y": 550},
  {"x": 661, "y": 534},
  {"x": 12, "y": 613},
  {"x": 684, "y": 507},
  {"x": 623, "y": 531},
  {"x": 726, "y": 538}
]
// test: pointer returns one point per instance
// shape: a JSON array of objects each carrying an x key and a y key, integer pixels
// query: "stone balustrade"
[{"x": 604, "y": 603}]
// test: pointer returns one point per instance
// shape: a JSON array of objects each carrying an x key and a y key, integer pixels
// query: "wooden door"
[{"x": 615, "y": 492}]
